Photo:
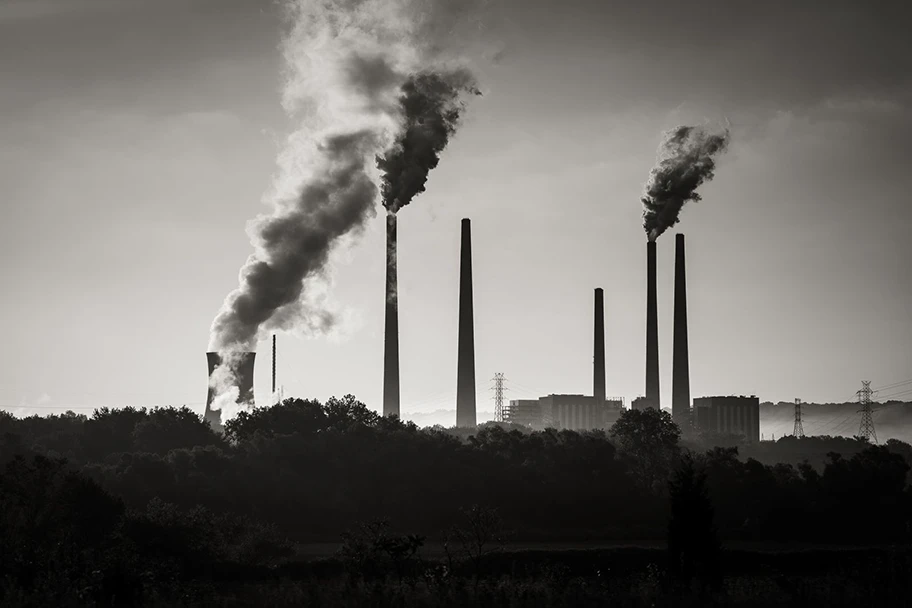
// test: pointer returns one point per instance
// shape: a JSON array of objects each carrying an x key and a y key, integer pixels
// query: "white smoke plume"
[
  {"x": 346, "y": 63},
  {"x": 226, "y": 386}
]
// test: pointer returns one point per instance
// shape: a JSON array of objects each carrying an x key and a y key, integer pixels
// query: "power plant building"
[
  {"x": 526, "y": 412},
  {"x": 566, "y": 412},
  {"x": 728, "y": 416},
  {"x": 641, "y": 403}
]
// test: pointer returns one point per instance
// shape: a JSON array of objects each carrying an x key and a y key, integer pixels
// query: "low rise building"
[
  {"x": 728, "y": 416},
  {"x": 571, "y": 412}
]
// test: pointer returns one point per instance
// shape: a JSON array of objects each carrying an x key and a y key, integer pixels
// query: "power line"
[
  {"x": 894, "y": 385},
  {"x": 891, "y": 395}
]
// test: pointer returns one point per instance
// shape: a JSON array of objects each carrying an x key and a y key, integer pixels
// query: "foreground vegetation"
[{"x": 135, "y": 507}]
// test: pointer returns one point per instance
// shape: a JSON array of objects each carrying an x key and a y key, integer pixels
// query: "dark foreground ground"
[
  {"x": 619, "y": 576},
  {"x": 434, "y": 550}
]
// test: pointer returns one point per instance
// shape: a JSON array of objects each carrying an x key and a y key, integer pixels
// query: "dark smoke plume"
[
  {"x": 432, "y": 106},
  {"x": 686, "y": 159},
  {"x": 347, "y": 67}
]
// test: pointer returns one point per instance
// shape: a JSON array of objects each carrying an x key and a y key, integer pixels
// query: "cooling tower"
[
  {"x": 465, "y": 379},
  {"x": 391, "y": 334},
  {"x": 680, "y": 380},
  {"x": 652, "y": 329},
  {"x": 245, "y": 383},
  {"x": 598, "y": 358}
]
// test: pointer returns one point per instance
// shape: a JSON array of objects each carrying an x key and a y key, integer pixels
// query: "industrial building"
[
  {"x": 728, "y": 416},
  {"x": 526, "y": 412},
  {"x": 641, "y": 403},
  {"x": 574, "y": 412},
  {"x": 570, "y": 412}
]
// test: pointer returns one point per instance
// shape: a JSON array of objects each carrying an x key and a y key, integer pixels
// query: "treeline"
[
  {"x": 136, "y": 504},
  {"x": 315, "y": 469}
]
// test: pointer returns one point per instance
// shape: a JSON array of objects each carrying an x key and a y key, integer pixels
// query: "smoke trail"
[
  {"x": 347, "y": 63},
  {"x": 431, "y": 105},
  {"x": 685, "y": 160}
]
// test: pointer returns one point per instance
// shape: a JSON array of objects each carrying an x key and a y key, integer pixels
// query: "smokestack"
[
  {"x": 465, "y": 381},
  {"x": 680, "y": 383},
  {"x": 391, "y": 334},
  {"x": 273, "y": 362},
  {"x": 652, "y": 329},
  {"x": 244, "y": 375},
  {"x": 598, "y": 366}
]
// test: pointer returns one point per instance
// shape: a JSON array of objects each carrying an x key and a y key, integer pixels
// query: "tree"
[
  {"x": 369, "y": 550},
  {"x": 648, "y": 441},
  {"x": 693, "y": 544},
  {"x": 482, "y": 535},
  {"x": 304, "y": 416},
  {"x": 170, "y": 428},
  {"x": 110, "y": 431}
]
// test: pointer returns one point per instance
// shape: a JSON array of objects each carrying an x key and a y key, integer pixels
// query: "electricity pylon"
[
  {"x": 799, "y": 429},
  {"x": 866, "y": 428},
  {"x": 498, "y": 389}
]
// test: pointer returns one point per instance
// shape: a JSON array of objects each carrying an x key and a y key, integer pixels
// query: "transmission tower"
[
  {"x": 866, "y": 428},
  {"x": 498, "y": 389},
  {"x": 799, "y": 429}
]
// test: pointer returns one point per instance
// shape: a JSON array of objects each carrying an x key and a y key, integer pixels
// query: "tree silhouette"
[
  {"x": 693, "y": 545},
  {"x": 648, "y": 441}
]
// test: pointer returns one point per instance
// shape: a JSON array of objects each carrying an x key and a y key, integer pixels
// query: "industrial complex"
[{"x": 728, "y": 415}]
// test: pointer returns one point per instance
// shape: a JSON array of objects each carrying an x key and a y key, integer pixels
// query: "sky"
[{"x": 138, "y": 138}]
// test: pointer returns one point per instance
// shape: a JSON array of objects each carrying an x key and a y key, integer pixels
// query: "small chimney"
[
  {"x": 680, "y": 381},
  {"x": 652, "y": 329},
  {"x": 465, "y": 380},
  {"x": 245, "y": 384},
  {"x": 391, "y": 333},
  {"x": 598, "y": 360}
]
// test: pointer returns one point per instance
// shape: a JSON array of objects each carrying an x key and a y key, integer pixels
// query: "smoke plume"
[
  {"x": 686, "y": 159},
  {"x": 347, "y": 68},
  {"x": 432, "y": 105}
]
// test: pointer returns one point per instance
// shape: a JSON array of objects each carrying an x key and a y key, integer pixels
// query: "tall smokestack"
[
  {"x": 432, "y": 105},
  {"x": 652, "y": 329},
  {"x": 465, "y": 380},
  {"x": 598, "y": 362},
  {"x": 680, "y": 383},
  {"x": 242, "y": 378},
  {"x": 391, "y": 335}
]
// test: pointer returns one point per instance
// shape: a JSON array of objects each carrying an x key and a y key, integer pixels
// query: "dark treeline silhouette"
[{"x": 130, "y": 500}]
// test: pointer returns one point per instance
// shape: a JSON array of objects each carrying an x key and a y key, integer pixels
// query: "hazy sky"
[{"x": 137, "y": 138}]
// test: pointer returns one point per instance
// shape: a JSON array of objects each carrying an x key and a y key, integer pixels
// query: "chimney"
[
  {"x": 391, "y": 333},
  {"x": 652, "y": 329},
  {"x": 598, "y": 361},
  {"x": 465, "y": 380},
  {"x": 245, "y": 384},
  {"x": 680, "y": 382}
]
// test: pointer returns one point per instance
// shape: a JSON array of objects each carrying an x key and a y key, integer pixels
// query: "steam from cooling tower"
[
  {"x": 686, "y": 159},
  {"x": 350, "y": 68}
]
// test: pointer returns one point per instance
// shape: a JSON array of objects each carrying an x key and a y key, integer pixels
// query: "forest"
[{"x": 154, "y": 507}]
